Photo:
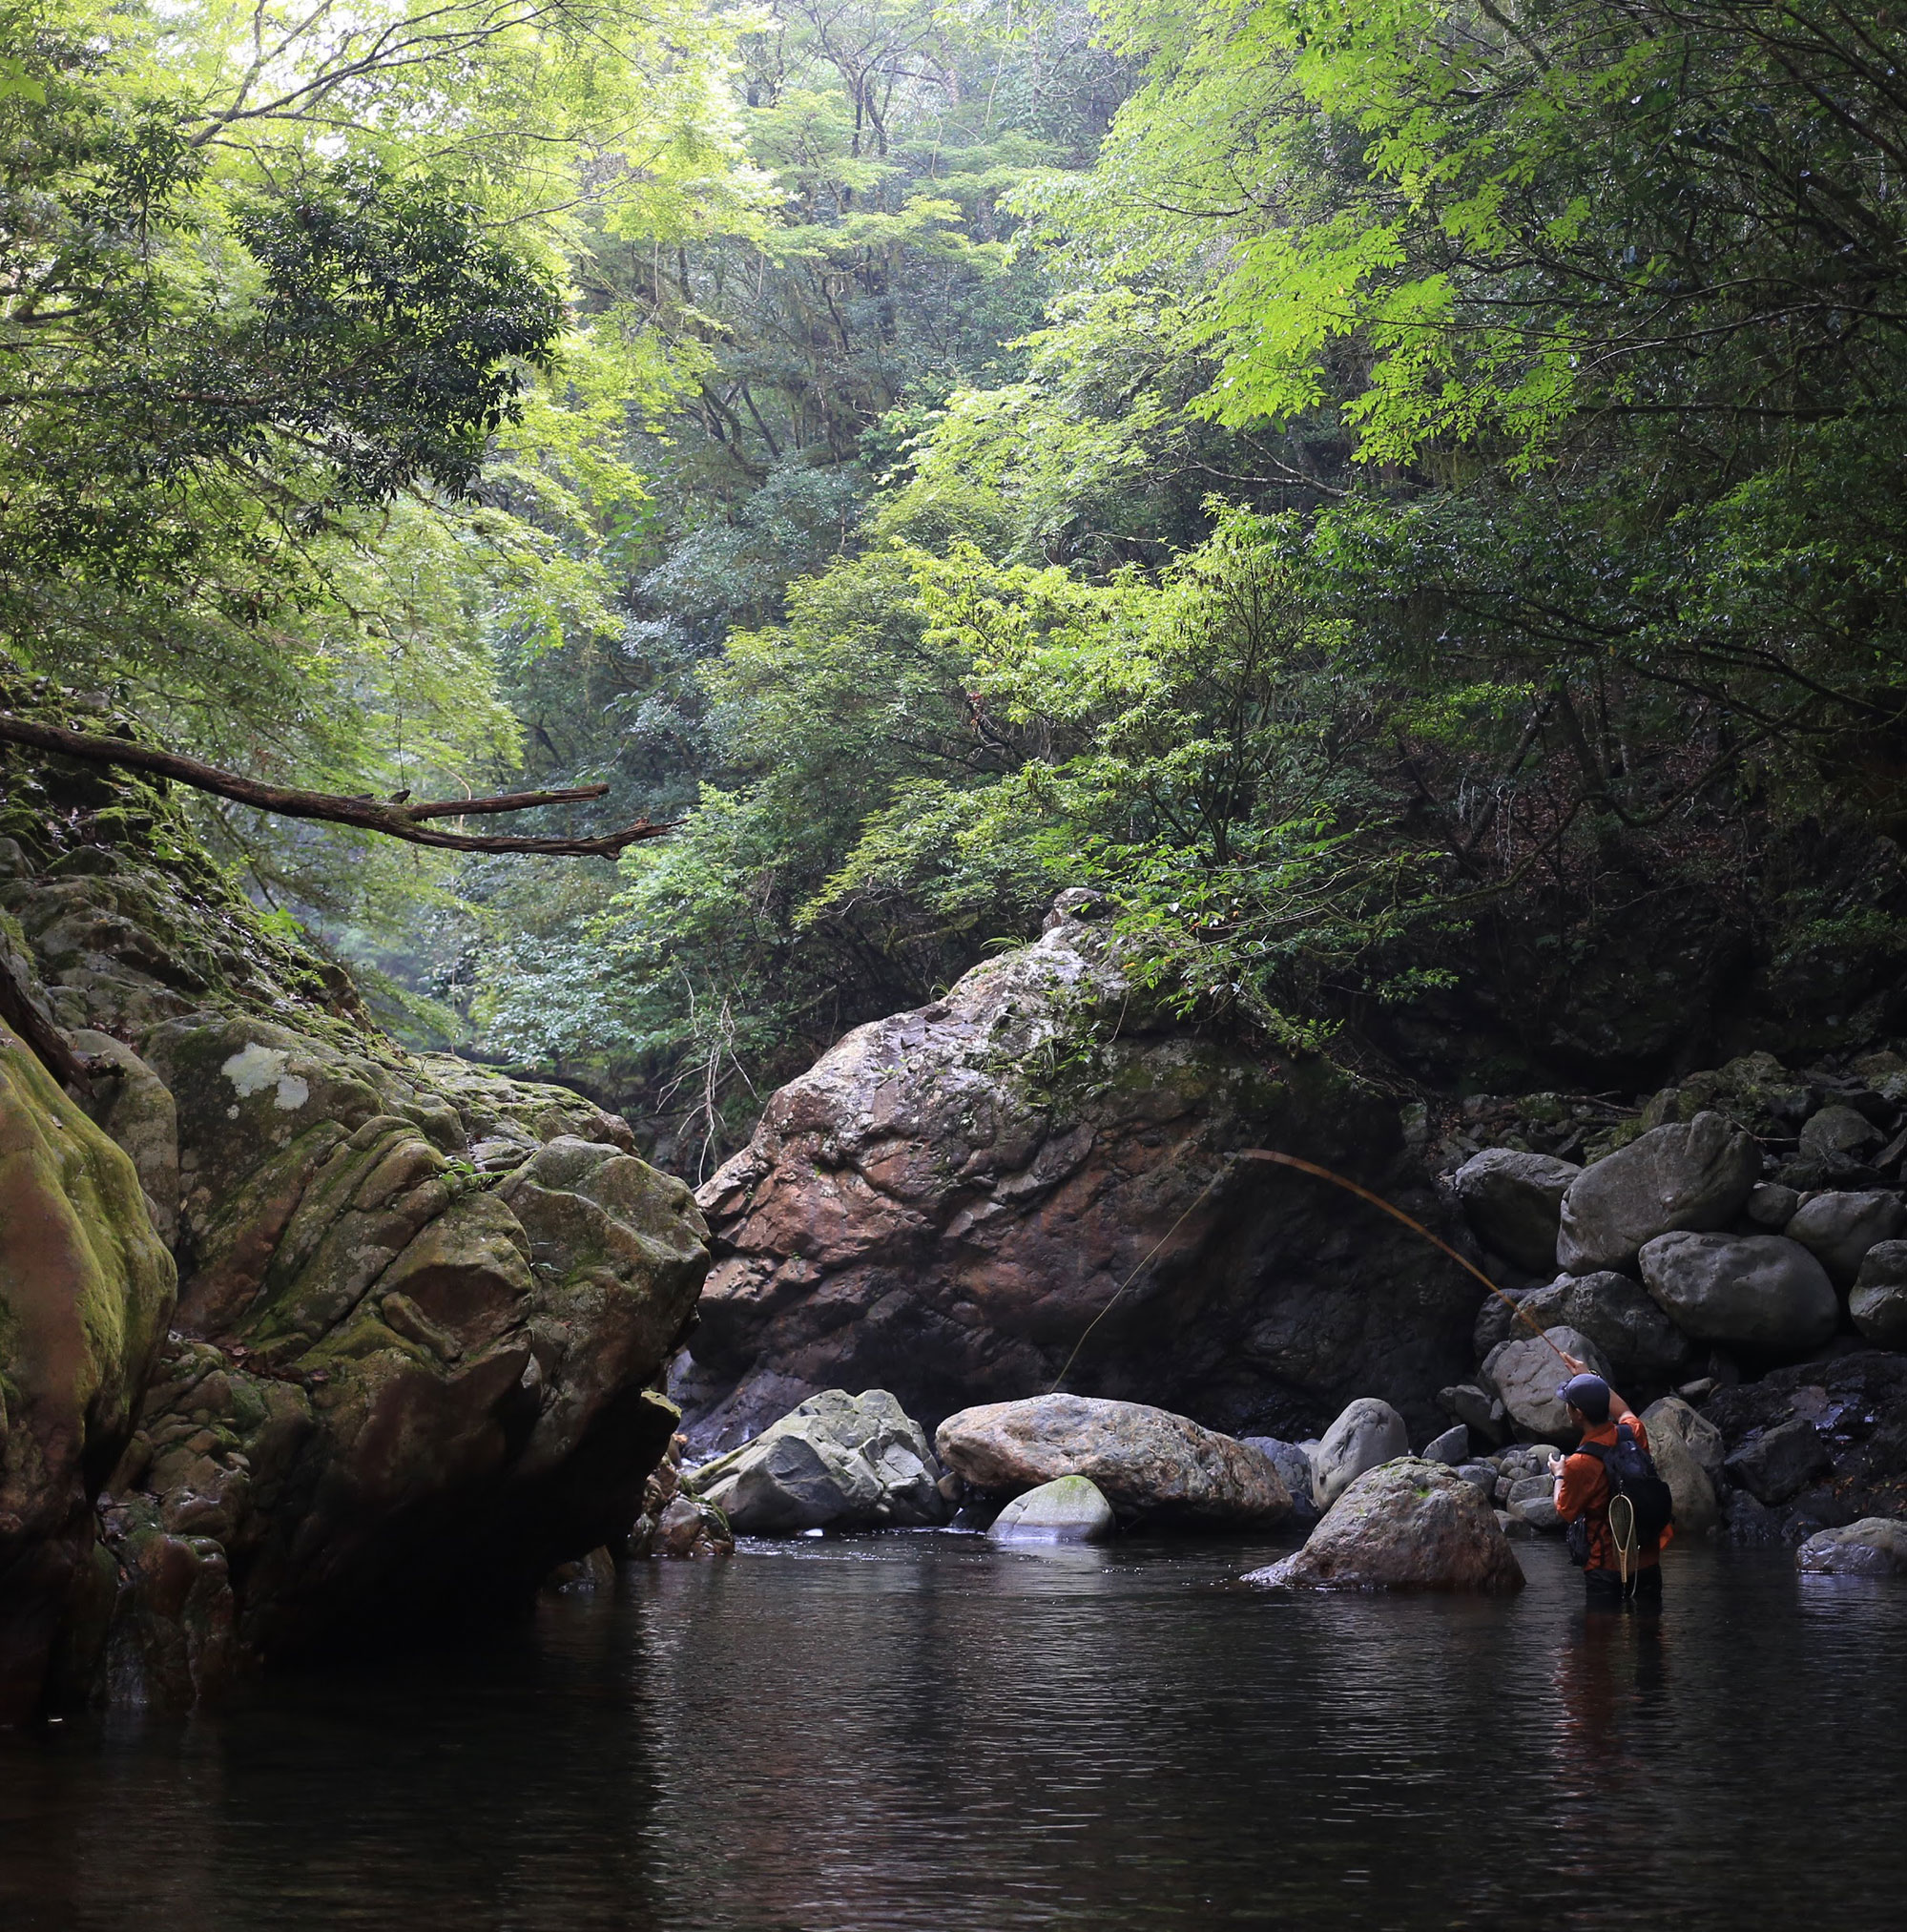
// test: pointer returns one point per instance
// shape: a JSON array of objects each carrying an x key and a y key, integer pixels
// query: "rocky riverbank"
[
  {"x": 1729, "y": 1255},
  {"x": 1036, "y": 1177},
  {"x": 308, "y": 1338},
  {"x": 305, "y": 1341}
]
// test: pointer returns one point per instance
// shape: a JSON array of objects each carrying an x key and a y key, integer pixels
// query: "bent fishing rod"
[{"x": 1337, "y": 1179}]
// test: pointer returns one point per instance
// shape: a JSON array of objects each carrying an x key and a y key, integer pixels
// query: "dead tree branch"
[{"x": 393, "y": 818}]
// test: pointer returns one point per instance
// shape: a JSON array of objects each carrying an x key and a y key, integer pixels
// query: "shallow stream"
[{"x": 923, "y": 1732}]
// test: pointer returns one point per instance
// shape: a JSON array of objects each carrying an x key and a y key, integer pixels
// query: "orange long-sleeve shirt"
[{"x": 1583, "y": 1489}]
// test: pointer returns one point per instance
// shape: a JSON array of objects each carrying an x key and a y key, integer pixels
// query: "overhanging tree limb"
[{"x": 389, "y": 817}]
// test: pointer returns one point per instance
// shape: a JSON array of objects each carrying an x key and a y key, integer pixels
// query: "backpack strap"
[{"x": 1603, "y": 1451}]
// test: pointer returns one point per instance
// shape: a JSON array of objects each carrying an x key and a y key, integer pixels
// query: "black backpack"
[{"x": 1632, "y": 1472}]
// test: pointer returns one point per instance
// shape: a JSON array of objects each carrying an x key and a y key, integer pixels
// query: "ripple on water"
[{"x": 926, "y": 1732}]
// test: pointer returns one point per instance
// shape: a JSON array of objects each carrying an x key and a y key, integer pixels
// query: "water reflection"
[{"x": 928, "y": 1734}]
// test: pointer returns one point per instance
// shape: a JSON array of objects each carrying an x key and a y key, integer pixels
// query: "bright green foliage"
[
  {"x": 1454, "y": 498},
  {"x": 1407, "y": 496},
  {"x": 1459, "y": 221}
]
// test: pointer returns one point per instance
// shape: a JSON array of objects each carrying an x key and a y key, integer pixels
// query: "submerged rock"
[
  {"x": 951, "y": 1198},
  {"x": 1068, "y": 1510},
  {"x": 836, "y": 1460},
  {"x": 1693, "y": 1176},
  {"x": 1151, "y": 1465},
  {"x": 1758, "y": 1292},
  {"x": 1408, "y": 1525},
  {"x": 1514, "y": 1202},
  {"x": 1876, "y": 1546},
  {"x": 1367, "y": 1433}
]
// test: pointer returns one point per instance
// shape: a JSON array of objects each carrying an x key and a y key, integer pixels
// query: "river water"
[{"x": 921, "y": 1731}]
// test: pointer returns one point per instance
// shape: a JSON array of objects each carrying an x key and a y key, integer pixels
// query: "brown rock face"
[
  {"x": 1149, "y": 1465},
  {"x": 950, "y": 1199},
  {"x": 85, "y": 1290},
  {"x": 1408, "y": 1525}
]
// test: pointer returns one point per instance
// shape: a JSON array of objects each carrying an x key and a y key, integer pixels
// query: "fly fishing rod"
[
  {"x": 1325, "y": 1173},
  {"x": 1396, "y": 1214}
]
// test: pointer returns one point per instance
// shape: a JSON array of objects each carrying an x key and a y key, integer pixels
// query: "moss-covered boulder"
[
  {"x": 410, "y": 1381},
  {"x": 86, "y": 1289},
  {"x": 420, "y": 1303}
]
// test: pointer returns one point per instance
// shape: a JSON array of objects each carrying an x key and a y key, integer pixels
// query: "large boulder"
[
  {"x": 1697, "y": 1508},
  {"x": 1068, "y": 1510},
  {"x": 1514, "y": 1202},
  {"x": 1695, "y": 1175},
  {"x": 850, "y": 1462},
  {"x": 86, "y": 1289},
  {"x": 1640, "y": 1345},
  {"x": 1406, "y": 1525},
  {"x": 1367, "y": 1433},
  {"x": 1878, "y": 1302},
  {"x": 1528, "y": 1370},
  {"x": 1838, "y": 1228},
  {"x": 444, "y": 1363},
  {"x": 1763, "y": 1294},
  {"x": 1151, "y": 1465},
  {"x": 420, "y": 1304},
  {"x": 1876, "y": 1546},
  {"x": 1037, "y": 1173}
]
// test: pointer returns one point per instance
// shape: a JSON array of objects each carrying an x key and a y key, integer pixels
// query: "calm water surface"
[{"x": 921, "y": 1731}]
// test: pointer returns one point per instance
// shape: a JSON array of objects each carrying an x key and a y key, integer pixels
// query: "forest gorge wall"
[{"x": 303, "y": 1339}]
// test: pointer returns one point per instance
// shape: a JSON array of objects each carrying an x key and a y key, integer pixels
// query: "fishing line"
[
  {"x": 1417, "y": 1227},
  {"x": 1197, "y": 1198},
  {"x": 1310, "y": 1167}
]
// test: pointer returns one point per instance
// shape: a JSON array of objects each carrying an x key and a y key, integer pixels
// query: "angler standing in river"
[{"x": 1609, "y": 1494}]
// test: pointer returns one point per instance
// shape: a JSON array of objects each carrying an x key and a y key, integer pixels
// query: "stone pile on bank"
[{"x": 1734, "y": 1258}]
